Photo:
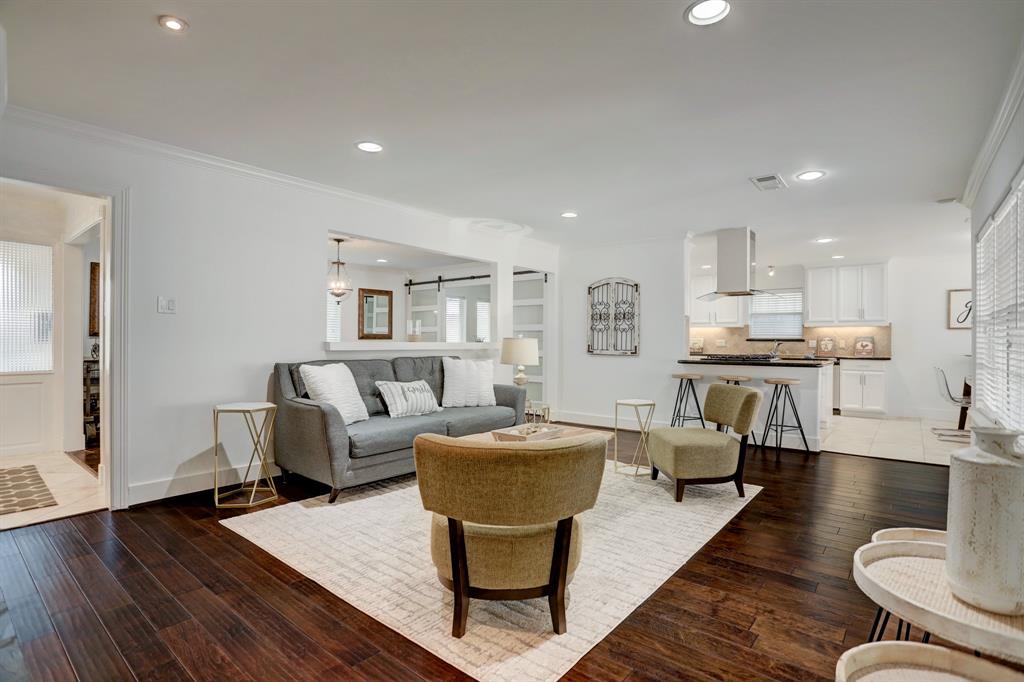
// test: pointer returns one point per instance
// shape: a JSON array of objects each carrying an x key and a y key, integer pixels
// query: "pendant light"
[{"x": 339, "y": 284}]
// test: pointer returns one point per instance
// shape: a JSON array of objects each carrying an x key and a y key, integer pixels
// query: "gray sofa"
[{"x": 311, "y": 438}]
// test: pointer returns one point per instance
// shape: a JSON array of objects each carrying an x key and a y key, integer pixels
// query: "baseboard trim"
[
  {"x": 789, "y": 440},
  {"x": 627, "y": 422},
  {"x": 150, "y": 491}
]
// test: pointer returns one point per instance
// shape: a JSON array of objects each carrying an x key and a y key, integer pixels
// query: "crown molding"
[
  {"x": 141, "y": 145},
  {"x": 997, "y": 131}
]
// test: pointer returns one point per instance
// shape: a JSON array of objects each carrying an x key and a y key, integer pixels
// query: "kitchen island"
[{"x": 813, "y": 395}]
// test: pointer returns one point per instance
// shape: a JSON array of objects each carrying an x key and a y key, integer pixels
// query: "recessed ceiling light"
[
  {"x": 810, "y": 175},
  {"x": 382, "y": 260},
  {"x": 369, "y": 147},
  {"x": 824, "y": 240},
  {"x": 706, "y": 12},
  {"x": 838, "y": 257},
  {"x": 173, "y": 24},
  {"x": 705, "y": 267},
  {"x": 570, "y": 214}
]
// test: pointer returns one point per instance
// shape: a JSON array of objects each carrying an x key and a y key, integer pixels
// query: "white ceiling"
[
  {"x": 40, "y": 214},
  {"x": 359, "y": 251},
  {"x": 620, "y": 110}
]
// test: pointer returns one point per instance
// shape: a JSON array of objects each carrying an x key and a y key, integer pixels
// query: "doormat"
[{"x": 22, "y": 488}]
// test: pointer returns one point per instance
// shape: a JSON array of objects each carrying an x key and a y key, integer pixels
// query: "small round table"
[
  {"x": 908, "y": 579},
  {"x": 260, "y": 433}
]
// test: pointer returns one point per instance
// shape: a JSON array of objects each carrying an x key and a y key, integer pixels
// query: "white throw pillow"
[
  {"x": 408, "y": 398},
  {"x": 335, "y": 384},
  {"x": 468, "y": 383}
]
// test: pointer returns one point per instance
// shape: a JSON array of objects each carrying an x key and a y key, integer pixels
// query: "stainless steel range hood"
[{"x": 736, "y": 258}]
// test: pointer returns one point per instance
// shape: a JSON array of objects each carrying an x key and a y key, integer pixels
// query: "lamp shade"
[{"x": 519, "y": 352}]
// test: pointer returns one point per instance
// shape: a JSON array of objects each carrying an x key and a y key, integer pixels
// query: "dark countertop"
[
  {"x": 823, "y": 362},
  {"x": 783, "y": 358}
]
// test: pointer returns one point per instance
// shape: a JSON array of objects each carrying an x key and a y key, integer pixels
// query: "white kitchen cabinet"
[
  {"x": 728, "y": 310},
  {"x": 873, "y": 293},
  {"x": 725, "y": 312},
  {"x": 821, "y": 295},
  {"x": 862, "y": 387},
  {"x": 701, "y": 312},
  {"x": 849, "y": 294}
]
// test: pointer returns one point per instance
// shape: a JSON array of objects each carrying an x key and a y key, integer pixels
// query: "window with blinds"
[
  {"x": 483, "y": 321},
  {"x": 999, "y": 315},
  {"x": 26, "y": 308},
  {"x": 778, "y": 314},
  {"x": 333, "y": 318},
  {"x": 455, "y": 320}
]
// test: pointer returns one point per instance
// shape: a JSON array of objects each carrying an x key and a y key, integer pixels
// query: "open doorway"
[{"x": 51, "y": 386}]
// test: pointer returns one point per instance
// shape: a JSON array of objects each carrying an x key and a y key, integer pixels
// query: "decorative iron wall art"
[{"x": 613, "y": 317}]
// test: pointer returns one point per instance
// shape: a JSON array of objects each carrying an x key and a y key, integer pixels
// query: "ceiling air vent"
[{"x": 767, "y": 182}]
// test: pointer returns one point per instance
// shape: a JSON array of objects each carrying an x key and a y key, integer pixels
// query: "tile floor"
[
  {"x": 76, "y": 489},
  {"x": 907, "y": 439}
]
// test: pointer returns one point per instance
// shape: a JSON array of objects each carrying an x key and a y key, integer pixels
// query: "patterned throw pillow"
[{"x": 408, "y": 398}]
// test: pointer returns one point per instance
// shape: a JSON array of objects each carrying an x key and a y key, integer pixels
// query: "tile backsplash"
[{"x": 734, "y": 340}]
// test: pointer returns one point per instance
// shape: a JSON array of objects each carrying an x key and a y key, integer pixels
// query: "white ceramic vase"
[{"x": 985, "y": 522}]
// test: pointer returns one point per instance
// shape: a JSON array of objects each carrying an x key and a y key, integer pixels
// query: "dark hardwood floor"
[
  {"x": 164, "y": 592},
  {"x": 88, "y": 458}
]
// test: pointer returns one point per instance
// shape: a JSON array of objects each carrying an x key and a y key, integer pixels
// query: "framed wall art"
[
  {"x": 959, "y": 309},
  {"x": 613, "y": 317},
  {"x": 94, "y": 299}
]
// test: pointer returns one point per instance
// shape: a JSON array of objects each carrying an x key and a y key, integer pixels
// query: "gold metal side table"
[
  {"x": 643, "y": 422},
  {"x": 260, "y": 433}
]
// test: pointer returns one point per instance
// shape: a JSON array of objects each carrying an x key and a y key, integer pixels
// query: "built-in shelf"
[
  {"x": 528, "y": 301},
  {"x": 423, "y": 308},
  {"x": 406, "y": 346},
  {"x": 528, "y": 328}
]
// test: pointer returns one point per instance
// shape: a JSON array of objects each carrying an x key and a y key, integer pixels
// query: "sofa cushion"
[
  {"x": 381, "y": 433},
  {"x": 463, "y": 421},
  {"x": 429, "y": 369},
  {"x": 365, "y": 372}
]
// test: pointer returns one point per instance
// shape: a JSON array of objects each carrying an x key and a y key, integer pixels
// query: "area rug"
[
  {"x": 22, "y": 488},
  {"x": 372, "y": 549}
]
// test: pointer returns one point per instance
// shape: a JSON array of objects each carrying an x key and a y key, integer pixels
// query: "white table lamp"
[{"x": 520, "y": 352}]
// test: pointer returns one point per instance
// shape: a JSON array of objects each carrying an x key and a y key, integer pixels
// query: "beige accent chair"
[
  {"x": 504, "y": 523},
  {"x": 702, "y": 455}
]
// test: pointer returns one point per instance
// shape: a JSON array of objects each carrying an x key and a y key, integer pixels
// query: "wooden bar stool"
[
  {"x": 777, "y": 418},
  {"x": 683, "y": 393}
]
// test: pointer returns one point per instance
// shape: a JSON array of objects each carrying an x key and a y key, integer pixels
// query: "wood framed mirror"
[{"x": 375, "y": 314}]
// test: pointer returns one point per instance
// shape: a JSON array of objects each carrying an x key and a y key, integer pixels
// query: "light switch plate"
[
  {"x": 166, "y": 306},
  {"x": 813, "y": 343},
  {"x": 720, "y": 343}
]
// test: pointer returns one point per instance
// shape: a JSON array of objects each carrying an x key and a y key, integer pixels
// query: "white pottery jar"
[{"x": 985, "y": 522}]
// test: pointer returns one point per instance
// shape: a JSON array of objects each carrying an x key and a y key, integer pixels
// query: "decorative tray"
[
  {"x": 908, "y": 579},
  {"x": 888, "y": 661},
  {"x": 528, "y": 432}
]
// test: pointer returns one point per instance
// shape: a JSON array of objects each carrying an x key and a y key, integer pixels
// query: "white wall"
[
  {"x": 374, "y": 278},
  {"x": 242, "y": 252},
  {"x": 1005, "y": 165},
  {"x": 590, "y": 384},
  {"x": 921, "y": 342}
]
